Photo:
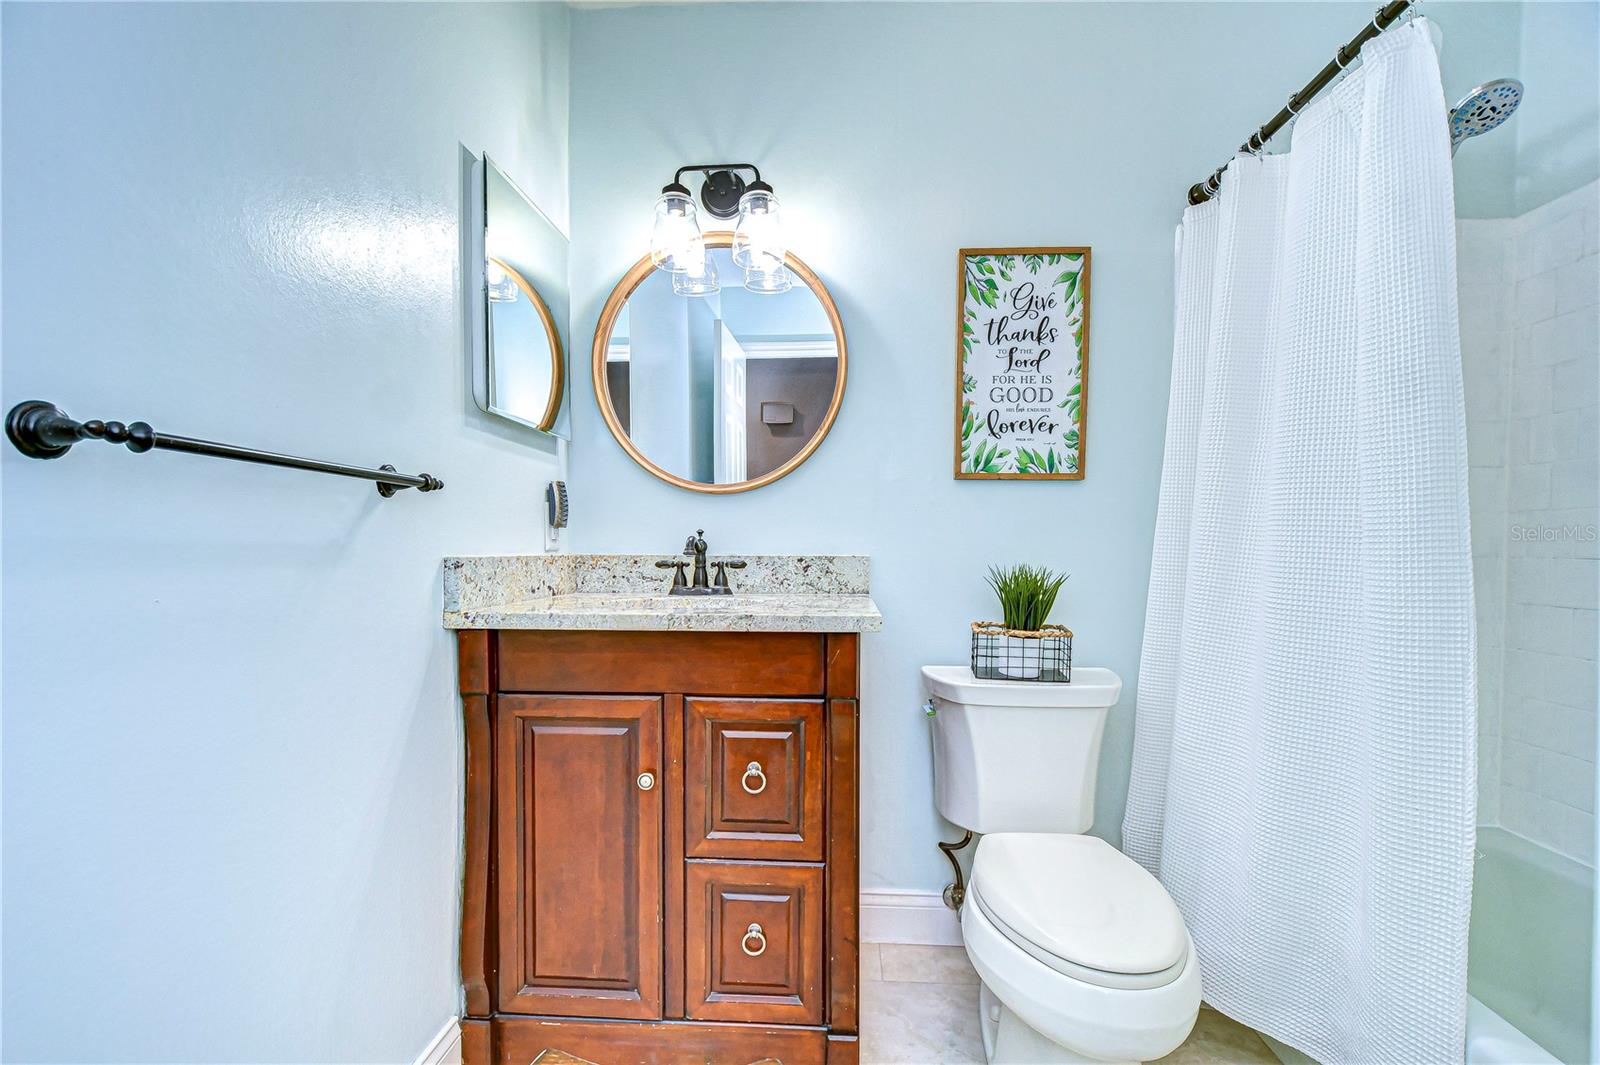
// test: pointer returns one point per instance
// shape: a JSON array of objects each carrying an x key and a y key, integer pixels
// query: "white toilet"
[{"x": 1083, "y": 955}]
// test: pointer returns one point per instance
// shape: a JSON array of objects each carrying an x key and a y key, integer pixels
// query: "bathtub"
[
  {"x": 1528, "y": 955},
  {"x": 1491, "y": 1040}
]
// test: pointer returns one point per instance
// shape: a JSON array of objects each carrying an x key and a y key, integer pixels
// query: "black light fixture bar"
[
  {"x": 722, "y": 188},
  {"x": 1382, "y": 20},
  {"x": 41, "y": 430}
]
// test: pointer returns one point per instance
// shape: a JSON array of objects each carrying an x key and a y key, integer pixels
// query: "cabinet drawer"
[
  {"x": 754, "y": 943},
  {"x": 648, "y": 663},
  {"x": 753, "y": 775}
]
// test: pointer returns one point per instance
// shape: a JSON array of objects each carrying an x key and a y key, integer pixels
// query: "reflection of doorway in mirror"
[
  {"x": 731, "y": 404},
  {"x": 797, "y": 372}
]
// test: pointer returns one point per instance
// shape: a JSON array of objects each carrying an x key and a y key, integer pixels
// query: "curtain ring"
[
  {"x": 1338, "y": 57},
  {"x": 1290, "y": 106}
]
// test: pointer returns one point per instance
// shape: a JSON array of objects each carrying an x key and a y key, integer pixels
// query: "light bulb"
[
  {"x": 699, "y": 278},
  {"x": 759, "y": 233},
  {"x": 675, "y": 235}
]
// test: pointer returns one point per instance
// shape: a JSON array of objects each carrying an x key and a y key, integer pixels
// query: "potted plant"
[{"x": 1023, "y": 645}]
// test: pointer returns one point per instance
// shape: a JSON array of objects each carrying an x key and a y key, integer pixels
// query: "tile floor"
[{"x": 919, "y": 1006}]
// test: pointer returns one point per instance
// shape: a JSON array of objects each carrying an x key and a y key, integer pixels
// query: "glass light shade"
[
  {"x": 759, "y": 232},
  {"x": 675, "y": 236},
  {"x": 700, "y": 276},
  {"x": 768, "y": 278},
  {"x": 499, "y": 284}
]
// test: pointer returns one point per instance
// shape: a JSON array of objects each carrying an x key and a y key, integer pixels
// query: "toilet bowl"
[{"x": 1083, "y": 955}]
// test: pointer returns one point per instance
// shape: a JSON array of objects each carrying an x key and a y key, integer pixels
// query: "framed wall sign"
[{"x": 1022, "y": 363}]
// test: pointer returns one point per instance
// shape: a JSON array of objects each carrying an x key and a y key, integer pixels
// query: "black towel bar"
[{"x": 42, "y": 430}]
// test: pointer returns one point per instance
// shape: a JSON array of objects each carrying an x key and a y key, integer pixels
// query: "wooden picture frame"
[{"x": 1022, "y": 363}]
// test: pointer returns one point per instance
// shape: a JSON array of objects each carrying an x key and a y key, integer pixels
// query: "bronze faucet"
[
  {"x": 699, "y": 584},
  {"x": 696, "y": 546}
]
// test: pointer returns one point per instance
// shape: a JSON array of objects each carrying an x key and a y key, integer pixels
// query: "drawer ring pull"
[
  {"x": 754, "y": 932},
  {"x": 753, "y": 770}
]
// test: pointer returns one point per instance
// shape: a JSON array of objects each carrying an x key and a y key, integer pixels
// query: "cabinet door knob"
[
  {"x": 647, "y": 781},
  {"x": 753, "y": 770},
  {"x": 754, "y": 933}
]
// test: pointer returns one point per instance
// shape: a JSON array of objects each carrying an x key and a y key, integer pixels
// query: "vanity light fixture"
[
  {"x": 498, "y": 283},
  {"x": 758, "y": 239},
  {"x": 700, "y": 276},
  {"x": 758, "y": 248},
  {"x": 675, "y": 241},
  {"x": 768, "y": 278}
]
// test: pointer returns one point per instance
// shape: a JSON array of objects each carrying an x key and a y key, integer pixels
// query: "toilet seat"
[{"x": 1081, "y": 907}]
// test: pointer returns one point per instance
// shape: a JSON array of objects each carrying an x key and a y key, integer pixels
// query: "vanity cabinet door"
[
  {"x": 579, "y": 814},
  {"x": 754, "y": 777}
]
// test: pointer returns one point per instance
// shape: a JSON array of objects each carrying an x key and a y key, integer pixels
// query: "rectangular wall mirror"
[{"x": 518, "y": 296}]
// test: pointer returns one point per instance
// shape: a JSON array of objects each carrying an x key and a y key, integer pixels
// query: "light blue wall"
[
  {"x": 231, "y": 752},
  {"x": 1557, "y": 147},
  {"x": 900, "y": 133}
]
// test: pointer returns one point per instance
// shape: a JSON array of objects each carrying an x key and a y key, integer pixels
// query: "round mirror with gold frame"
[
  {"x": 526, "y": 363},
  {"x": 722, "y": 392}
]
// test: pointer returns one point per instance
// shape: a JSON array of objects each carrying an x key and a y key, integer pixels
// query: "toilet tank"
[{"x": 1016, "y": 756}]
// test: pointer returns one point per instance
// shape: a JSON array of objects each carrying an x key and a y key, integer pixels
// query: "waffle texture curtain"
[{"x": 1304, "y": 761}]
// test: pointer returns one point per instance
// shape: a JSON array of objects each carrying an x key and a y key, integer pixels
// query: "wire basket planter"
[{"x": 1043, "y": 655}]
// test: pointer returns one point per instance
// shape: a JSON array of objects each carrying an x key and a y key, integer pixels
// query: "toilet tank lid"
[{"x": 1091, "y": 686}]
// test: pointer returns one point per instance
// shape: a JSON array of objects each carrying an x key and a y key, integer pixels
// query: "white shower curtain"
[{"x": 1304, "y": 762}]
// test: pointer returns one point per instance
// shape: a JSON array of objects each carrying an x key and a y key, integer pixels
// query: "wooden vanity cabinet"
[{"x": 661, "y": 847}]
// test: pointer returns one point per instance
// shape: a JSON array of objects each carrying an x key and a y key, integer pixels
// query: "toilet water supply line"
[{"x": 954, "y": 894}]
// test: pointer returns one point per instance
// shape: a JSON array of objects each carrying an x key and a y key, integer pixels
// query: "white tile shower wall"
[
  {"x": 1484, "y": 252},
  {"x": 1546, "y": 543}
]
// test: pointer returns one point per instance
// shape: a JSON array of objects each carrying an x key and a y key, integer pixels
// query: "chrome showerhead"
[{"x": 1483, "y": 109}]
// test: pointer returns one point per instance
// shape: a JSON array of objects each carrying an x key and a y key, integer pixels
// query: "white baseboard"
[
  {"x": 445, "y": 1049},
  {"x": 908, "y": 917}
]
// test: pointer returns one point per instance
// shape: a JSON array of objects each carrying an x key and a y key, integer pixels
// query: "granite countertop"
[{"x": 775, "y": 593}]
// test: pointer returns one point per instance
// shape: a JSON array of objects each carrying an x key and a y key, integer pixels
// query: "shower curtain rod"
[{"x": 1385, "y": 17}]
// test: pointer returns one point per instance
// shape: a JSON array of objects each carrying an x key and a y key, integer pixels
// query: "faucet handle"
[
  {"x": 723, "y": 566},
  {"x": 679, "y": 579}
]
